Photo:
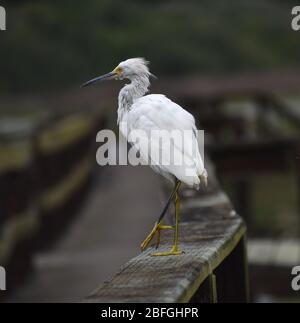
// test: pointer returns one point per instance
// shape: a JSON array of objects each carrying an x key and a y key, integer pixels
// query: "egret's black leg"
[
  {"x": 174, "y": 251},
  {"x": 158, "y": 225},
  {"x": 164, "y": 211}
]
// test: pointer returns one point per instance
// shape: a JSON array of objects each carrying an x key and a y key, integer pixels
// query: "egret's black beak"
[{"x": 108, "y": 76}]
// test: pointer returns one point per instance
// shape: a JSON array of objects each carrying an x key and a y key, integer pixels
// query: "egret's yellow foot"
[
  {"x": 173, "y": 252},
  {"x": 156, "y": 229}
]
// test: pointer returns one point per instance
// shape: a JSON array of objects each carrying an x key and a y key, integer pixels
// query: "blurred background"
[{"x": 235, "y": 65}]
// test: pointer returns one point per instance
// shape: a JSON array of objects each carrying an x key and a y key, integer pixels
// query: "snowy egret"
[{"x": 154, "y": 112}]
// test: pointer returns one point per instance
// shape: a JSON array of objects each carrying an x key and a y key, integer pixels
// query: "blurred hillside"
[{"x": 50, "y": 44}]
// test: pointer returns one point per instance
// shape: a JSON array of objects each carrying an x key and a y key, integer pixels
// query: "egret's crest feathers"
[{"x": 135, "y": 67}]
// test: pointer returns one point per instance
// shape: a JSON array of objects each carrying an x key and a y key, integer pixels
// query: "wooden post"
[
  {"x": 232, "y": 277},
  {"x": 243, "y": 193}
]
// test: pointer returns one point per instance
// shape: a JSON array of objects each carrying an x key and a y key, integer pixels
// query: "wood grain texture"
[{"x": 210, "y": 231}]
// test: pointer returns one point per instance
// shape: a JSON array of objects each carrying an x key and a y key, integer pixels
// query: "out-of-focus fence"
[{"x": 45, "y": 167}]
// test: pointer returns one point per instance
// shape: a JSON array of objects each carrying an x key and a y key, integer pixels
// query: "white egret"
[{"x": 156, "y": 112}]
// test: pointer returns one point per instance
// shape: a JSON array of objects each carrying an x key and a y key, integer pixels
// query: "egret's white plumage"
[
  {"x": 157, "y": 112},
  {"x": 152, "y": 114}
]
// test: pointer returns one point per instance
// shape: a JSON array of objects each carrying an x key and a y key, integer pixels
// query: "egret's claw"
[
  {"x": 174, "y": 252},
  {"x": 146, "y": 242},
  {"x": 156, "y": 229},
  {"x": 158, "y": 239}
]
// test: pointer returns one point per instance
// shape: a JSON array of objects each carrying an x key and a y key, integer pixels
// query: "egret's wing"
[
  {"x": 165, "y": 113},
  {"x": 154, "y": 113}
]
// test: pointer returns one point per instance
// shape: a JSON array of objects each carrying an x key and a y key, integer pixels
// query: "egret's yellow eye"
[{"x": 118, "y": 70}]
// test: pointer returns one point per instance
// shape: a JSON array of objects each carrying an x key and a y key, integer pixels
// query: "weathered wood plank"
[{"x": 210, "y": 231}]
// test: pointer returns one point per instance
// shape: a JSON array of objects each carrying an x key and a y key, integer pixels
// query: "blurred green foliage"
[{"x": 51, "y": 43}]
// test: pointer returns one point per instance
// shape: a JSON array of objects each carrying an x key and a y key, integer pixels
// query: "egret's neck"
[{"x": 131, "y": 92}]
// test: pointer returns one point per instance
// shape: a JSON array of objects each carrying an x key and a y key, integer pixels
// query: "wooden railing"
[
  {"x": 212, "y": 269},
  {"x": 45, "y": 166}
]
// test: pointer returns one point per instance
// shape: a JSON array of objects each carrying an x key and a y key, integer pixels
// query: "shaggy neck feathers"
[{"x": 131, "y": 92}]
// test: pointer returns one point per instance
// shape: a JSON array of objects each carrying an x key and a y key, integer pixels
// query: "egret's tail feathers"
[
  {"x": 203, "y": 177},
  {"x": 195, "y": 181}
]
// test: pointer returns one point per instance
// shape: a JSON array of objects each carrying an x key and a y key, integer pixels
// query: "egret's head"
[{"x": 130, "y": 69}]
